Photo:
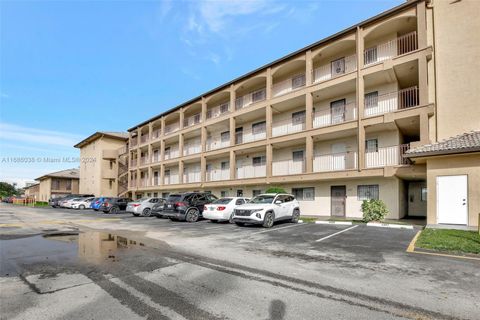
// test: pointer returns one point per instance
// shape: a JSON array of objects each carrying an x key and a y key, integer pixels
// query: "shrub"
[
  {"x": 275, "y": 190},
  {"x": 374, "y": 210}
]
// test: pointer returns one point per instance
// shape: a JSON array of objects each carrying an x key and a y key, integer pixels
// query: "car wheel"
[
  {"x": 81, "y": 207},
  {"x": 114, "y": 210},
  {"x": 268, "y": 220},
  {"x": 146, "y": 212},
  {"x": 295, "y": 216},
  {"x": 230, "y": 220},
  {"x": 241, "y": 224},
  {"x": 95, "y": 209},
  {"x": 192, "y": 215}
]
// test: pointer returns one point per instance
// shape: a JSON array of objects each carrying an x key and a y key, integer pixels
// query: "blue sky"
[{"x": 70, "y": 68}]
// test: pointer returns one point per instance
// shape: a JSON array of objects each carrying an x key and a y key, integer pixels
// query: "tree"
[
  {"x": 7, "y": 190},
  {"x": 275, "y": 190}
]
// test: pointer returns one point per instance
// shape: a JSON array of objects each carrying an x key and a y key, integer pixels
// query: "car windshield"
[
  {"x": 262, "y": 199},
  {"x": 77, "y": 199},
  {"x": 141, "y": 199},
  {"x": 222, "y": 201},
  {"x": 174, "y": 197}
]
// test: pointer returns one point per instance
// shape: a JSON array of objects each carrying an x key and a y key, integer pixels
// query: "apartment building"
[
  {"x": 99, "y": 163},
  {"x": 331, "y": 123},
  {"x": 32, "y": 190},
  {"x": 58, "y": 184}
]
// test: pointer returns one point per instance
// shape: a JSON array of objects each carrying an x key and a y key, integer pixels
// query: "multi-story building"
[
  {"x": 57, "y": 184},
  {"x": 330, "y": 123},
  {"x": 100, "y": 165},
  {"x": 32, "y": 190}
]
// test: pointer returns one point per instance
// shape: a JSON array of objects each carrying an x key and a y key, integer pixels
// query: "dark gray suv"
[{"x": 186, "y": 206}]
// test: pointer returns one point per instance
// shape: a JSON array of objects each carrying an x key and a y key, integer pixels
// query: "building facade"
[
  {"x": 99, "y": 167},
  {"x": 330, "y": 123},
  {"x": 58, "y": 184}
]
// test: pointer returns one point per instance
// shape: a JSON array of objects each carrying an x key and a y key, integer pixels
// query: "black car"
[
  {"x": 186, "y": 206},
  {"x": 54, "y": 201},
  {"x": 114, "y": 205}
]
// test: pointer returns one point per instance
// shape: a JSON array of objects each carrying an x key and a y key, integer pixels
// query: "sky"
[{"x": 71, "y": 68}]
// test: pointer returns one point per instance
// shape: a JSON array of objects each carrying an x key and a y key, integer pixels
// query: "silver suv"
[{"x": 267, "y": 208}]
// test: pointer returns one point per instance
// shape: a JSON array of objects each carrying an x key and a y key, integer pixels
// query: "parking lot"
[{"x": 220, "y": 270}]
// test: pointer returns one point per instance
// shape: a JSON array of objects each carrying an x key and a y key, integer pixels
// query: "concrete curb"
[
  {"x": 345, "y": 223},
  {"x": 388, "y": 225}
]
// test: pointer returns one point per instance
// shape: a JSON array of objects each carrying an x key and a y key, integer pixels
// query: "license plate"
[
  {"x": 212, "y": 208},
  {"x": 169, "y": 205}
]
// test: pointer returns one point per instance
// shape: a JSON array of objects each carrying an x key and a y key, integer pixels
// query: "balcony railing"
[
  {"x": 392, "y": 48},
  {"x": 217, "y": 111},
  {"x": 144, "y": 183},
  {"x": 122, "y": 150},
  {"x": 156, "y": 133},
  {"x": 173, "y": 153},
  {"x": 192, "y": 120},
  {"x": 288, "y": 85},
  {"x": 133, "y": 163},
  {"x": 144, "y": 138},
  {"x": 287, "y": 167},
  {"x": 156, "y": 157},
  {"x": 335, "y": 69},
  {"x": 334, "y": 115},
  {"x": 218, "y": 141},
  {"x": 172, "y": 128},
  {"x": 387, "y": 156},
  {"x": 191, "y": 175},
  {"x": 250, "y": 98},
  {"x": 251, "y": 171},
  {"x": 335, "y": 161},
  {"x": 133, "y": 143},
  {"x": 170, "y": 179},
  {"x": 392, "y": 101},
  {"x": 288, "y": 126},
  {"x": 218, "y": 175},
  {"x": 133, "y": 183},
  {"x": 143, "y": 161},
  {"x": 249, "y": 135},
  {"x": 156, "y": 181},
  {"x": 192, "y": 147}
]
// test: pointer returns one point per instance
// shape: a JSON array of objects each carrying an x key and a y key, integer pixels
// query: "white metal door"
[{"x": 452, "y": 201}]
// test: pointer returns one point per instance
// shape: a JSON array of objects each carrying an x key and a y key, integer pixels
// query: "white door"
[{"x": 452, "y": 202}]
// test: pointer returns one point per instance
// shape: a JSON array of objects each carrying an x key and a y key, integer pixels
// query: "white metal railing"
[
  {"x": 287, "y": 126},
  {"x": 192, "y": 120},
  {"x": 218, "y": 110},
  {"x": 215, "y": 141},
  {"x": 218, "y": 175},
  {"x": 192, "y": 174},
  {"x": 156, "y": 157},
  {"x": 172, "y": 153},
  {"x": 156, "y": 181},
  {"x": 192, "y": 146},
  {"x": 335, "y": 161},
  {"x": 287, "y": 167},
  {"x": 390, "y": 49},
  {"x": 172, "y": 127},
  {"x": 170, "y": 179},
  {"x": 335, "y": 69},
  {"x": 249, "y": 135},
  {"x": 251, "y": 171},
  {"x": 143, "y": 160},
  {"x": 392, "y": 101},
  {"x": 387, "y": 156},
  {"x": 250, "y": 98},
  {"x": 288, "y": 85},
  {"x": 334, "y": 115}
]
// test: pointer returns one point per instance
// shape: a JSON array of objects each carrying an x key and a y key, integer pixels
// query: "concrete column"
[
  {"x": 182, "y": 117},
  {"x": 232, "y": 131},
  {"x": 150, "y": 176},
  {"x": 162, "y": 150},
  {"x": 204, "y": 110},
  {"x": 360, "y": 99},
  {"x": 203, "y": 169},
  {"x": 309, "y": 111},
  {"x": 180, "y": 144},
  {"x": 309, "y": 154},
  {"x": 424, "y": 132},
  {"x": 269, "y": 120},
  {"x": 309, "y": 68},
  {"x": 421, "y": 25},
  {"x": 139, "y": 134},
  {"x": 269, "y": 84},
  {"x": 233, "y": 164},
  {"x": 180, "y": 171},
  {"x": 150, "y": 154},
  {"x": 162, "y": 174},
  {"x": 269, "y": 156},
  {"x": 138, "y": 179},
  {"x": 162, "y": 129},
  {"x": 361, "y": 148},
  {"x": 150, "y": 131},
  {"x": 203, "y": 139},
  {"x": 423, "y": 81},
  {"x": 233, "y": 97},
  {"x": 129, "y": 178}
]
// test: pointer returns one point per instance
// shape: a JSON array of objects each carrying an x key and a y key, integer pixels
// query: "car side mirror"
[{"x": 278, "y": 202}]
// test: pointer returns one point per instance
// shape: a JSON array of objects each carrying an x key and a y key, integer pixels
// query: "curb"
[
  {"x": 388, "y": 225},
  {"x": 345, "y": 223}
]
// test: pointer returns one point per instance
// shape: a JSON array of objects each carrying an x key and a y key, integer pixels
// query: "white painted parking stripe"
[
  {"x": 275, "y": 229},
  {"x": 332, "y": 235}
]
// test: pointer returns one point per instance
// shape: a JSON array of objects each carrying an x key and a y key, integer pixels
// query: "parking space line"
[
  {"x": 269, "y": 230},
  {"x": 336, "y": 233}
]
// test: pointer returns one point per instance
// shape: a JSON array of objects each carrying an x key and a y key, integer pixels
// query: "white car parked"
[
  {"x": 267, "y": 208},
  {"x": 68, "y": 202},
  {"x": 222, "y": 209},
  {"x": 81, "y": 203}
]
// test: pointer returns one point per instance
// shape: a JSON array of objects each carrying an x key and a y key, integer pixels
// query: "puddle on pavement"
[{"x": 19, "y": 254}]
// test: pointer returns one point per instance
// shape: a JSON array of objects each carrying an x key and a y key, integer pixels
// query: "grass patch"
[
  {"x": 458, "y": 241},
  {"x": 308, "y": 219}
]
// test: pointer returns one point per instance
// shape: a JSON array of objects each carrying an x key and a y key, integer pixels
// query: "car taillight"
[
  {"x": 221, "y": 208},
  {"x": 180, "y": 204},
  {"x": 205, "y": 208},
  {"x": 136, "y": 204},
  {"x": 105, "y": 203},
  {"x": 97, "y": 202}
]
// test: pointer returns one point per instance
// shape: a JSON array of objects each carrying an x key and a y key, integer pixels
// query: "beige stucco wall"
[
  {"x": 455, "y": 165},
  {"x": 45, "y": 189},
  {"x": 457, "y": 55}
]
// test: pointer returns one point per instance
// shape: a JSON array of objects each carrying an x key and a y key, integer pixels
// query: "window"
[
  {"x": 304, "y": 193},
  {"x": 223, "y": 193},
  {"x": 297, "y": 155},
  {"x": 258, "y": 95},
  {"x": 259, "y": 161},
  {"x": 224, "y": 165},
  {"x": 337, "y": 111},
  {"x": 424, "y": 194},
  {"x": 371, "y": 145},
  {"x": 338, "y": 67},
  {"x": 256, "y": 193},
  {"x": 111, "y": 165},
  {"x": 298, "y": 81},
  {"x": 167, "y": 152},
  {"x": 367, "y": 192},
  {"x": 165, "y": 195},
  {"x": 259, "y": 127},
  {"x": 55, "y": 184},
  {"x": 239, "y": 103},
  {"x": 225, "y": 136},
  {"x": 239, "y": 193},
  {"x": 110, "y": 184},
  {"x": 68, "y": 184},
  {"x": 196, "y": 118},
  {"x": 298, "y": 117},
  {"x": 155, "y": 194},
  {"x": 371, "y": 99},
  {"x": 371, "y": 55},
  {"x": 167, "y": 173},
  {"x": 224, "y": 108}
]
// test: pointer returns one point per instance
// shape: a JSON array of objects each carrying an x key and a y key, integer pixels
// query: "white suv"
[{"x": 267, "y": 208}]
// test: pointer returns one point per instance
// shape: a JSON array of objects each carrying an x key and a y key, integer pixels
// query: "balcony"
[
  {"x": 335, "y": 161},
  {"x": 156, "y": 133},
  {"x": 336, "y": 114},
  {"x": 219, "y": 110},
  {"x": 192, "y": 146},
  {"x": 288, "y": 85},
  {"x": 379, "y": 104},
  {"x": 335, "y": 69},
  {"x": 192, "y": 174},
  {"x": 218, "y": 140},
  {"x": 218, "y": 175},
  {"x": 170, "y": 178},
  {"x": 391, "y": 49},
  {"x": 387, "y": 156},
  {"x": 156, "y": 157},
  {"x": 133, "y": 163},
  {"x": 192, "y": 120},
  {"x": 288, "y": 126},
  {"x": 144, "y": 183},
  {"x": 144, "y": 160},
  {"x": 133, "y": 143},
  {"x": 109, "y": 154},
  {"x": 171, "y": 153},
  {"x": 250, "y": 98},
  {"x": 170, "y": 128},
  {"x": 251, "y": 171},
  {"x": 144, "y": 138},
  {"x": 288, "y": 167},
  {"x": 133, "y": 183},
  {"x": 156, "y": 181},
  {"x": 250, "y": 135}
]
